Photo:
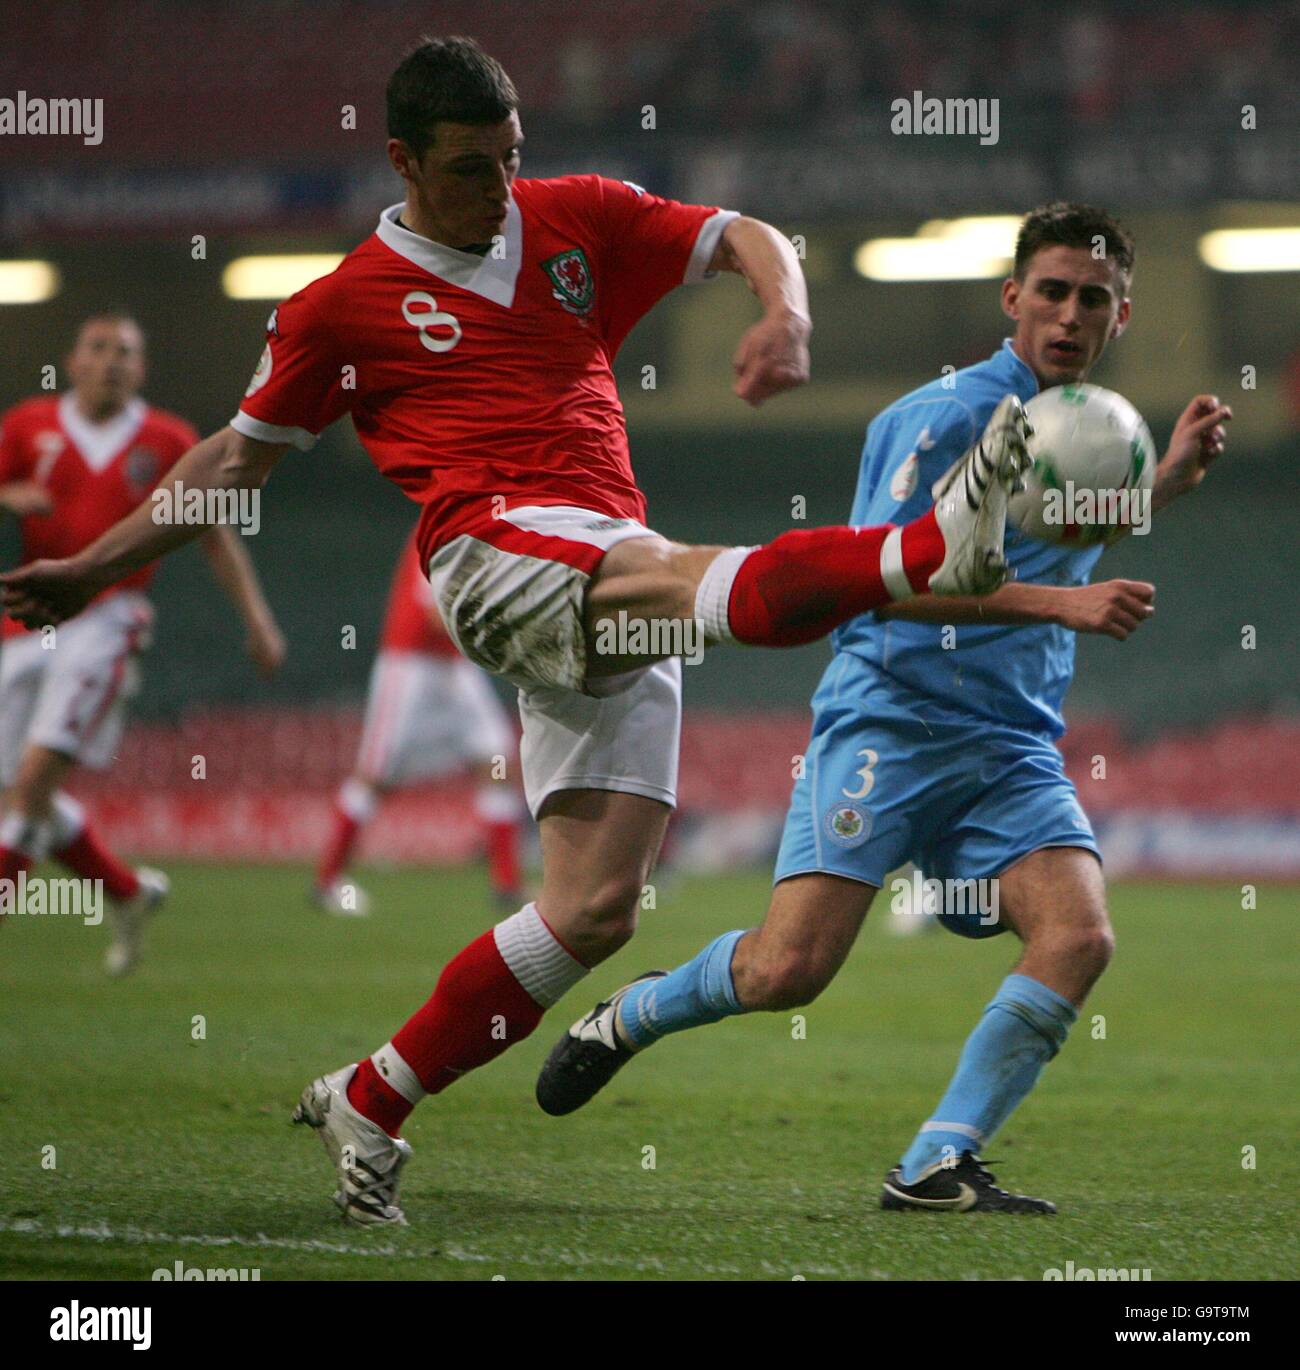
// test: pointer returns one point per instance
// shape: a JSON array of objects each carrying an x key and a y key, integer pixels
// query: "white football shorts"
[
  {"x": 511, "y": 596},
  {"x": 68, "y": 692}
]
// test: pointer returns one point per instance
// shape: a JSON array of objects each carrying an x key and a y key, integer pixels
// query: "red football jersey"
[
  {"x": 479, "y": 384},
  {"x": 411, "y": 622},
  {"x": 95, "y": 473}
]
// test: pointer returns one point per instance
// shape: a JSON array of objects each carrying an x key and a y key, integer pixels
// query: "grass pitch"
[{"x": 740, "y": 1151}]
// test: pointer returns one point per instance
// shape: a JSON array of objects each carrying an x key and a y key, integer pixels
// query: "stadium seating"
[
  {"x": 782, "y": 63},
  {"x": 257, "y": 784}
]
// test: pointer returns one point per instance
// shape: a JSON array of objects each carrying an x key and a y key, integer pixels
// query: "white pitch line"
[{"x": 135, "y": 1236}]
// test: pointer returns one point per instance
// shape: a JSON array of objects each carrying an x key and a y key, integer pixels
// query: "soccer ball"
[{"x": 1094, "y": 468}]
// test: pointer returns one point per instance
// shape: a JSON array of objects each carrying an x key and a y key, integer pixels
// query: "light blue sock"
[
  {"x": 1023, "y": 1027},
  {"x": 699, "y": 992}
]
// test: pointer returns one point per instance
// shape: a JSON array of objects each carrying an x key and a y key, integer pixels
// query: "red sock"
[
  {"x": 477, "y": 1010},
  {"x": 797, "y": 588},
  {"x": 374, "y": 1099},
  {"x": 338, "y": 851},
  {"x": 87, "y": 857},
  {"x": 503, "y": 855}
]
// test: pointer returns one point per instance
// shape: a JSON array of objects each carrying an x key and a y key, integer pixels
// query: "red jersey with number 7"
[{"x": 482, "y": 383}]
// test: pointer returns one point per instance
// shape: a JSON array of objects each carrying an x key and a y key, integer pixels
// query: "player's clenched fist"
[
  {"x": 772, "y": 356},
  {"x": 47, "y": 592},
  {"x": 1114, "y": 607}
]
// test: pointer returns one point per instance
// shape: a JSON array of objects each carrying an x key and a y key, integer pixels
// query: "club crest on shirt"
[
  {"x": 142, "y": 467},
  {"x": 848, "y": 825},
  {"x": 571, "y": 277}
]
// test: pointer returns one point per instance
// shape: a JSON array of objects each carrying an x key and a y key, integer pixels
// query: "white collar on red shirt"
[
  {"x": 491, "y": 277},
  {"x": 99, "y": 443}
]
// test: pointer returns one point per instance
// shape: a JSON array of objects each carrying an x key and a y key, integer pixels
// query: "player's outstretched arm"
[
  {"x": 234, "y": 571},
  {"x": 1113, "y": 607},
  {"x": 50, "y": 591},
  {"x": 773, "y": 354}
]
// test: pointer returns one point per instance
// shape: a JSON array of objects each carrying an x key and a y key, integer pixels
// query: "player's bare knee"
[
  {"x": 1098, "y": 948},
  {"x": 687, "y": 566},
  {"x": 1086, "y": 951},
  {"x": 677, "y": 574},
  {"x": 39, "y": 774},
  {"x": 32, "y": 796},
  {"x": 609, "y": 912},
  {"x": 784, "y": 982}
]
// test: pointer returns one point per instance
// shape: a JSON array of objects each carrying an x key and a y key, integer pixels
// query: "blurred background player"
[
  {"x": 71, "y": 466},
  {"x": 428, "y": 712}
]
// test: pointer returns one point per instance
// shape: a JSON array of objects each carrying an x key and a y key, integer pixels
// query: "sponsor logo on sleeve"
[
  {"x": 904, "y": 482},
  {"x": 262, "y": 373}
]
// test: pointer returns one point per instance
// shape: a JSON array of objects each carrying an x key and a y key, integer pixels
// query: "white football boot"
[
  {"x": 127, "y": 918},
  {"x": 343, "y": 899},
  {"x": 970, "y": 504},
  {"x": 369, "y": 1162}
]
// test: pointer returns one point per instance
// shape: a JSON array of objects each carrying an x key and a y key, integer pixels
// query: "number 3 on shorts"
[{"x": 868, "y": 780}]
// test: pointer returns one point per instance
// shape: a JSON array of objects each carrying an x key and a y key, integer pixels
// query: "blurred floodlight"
[
  {"x": 28, "y": 282},
  {"x": 1252, "y": 249},
  {"x": 997, "y": 232},
  {"x": 972, "y": 248},
  {"x": 276, "y": 276},
  {"x": 929, "y": 259}
]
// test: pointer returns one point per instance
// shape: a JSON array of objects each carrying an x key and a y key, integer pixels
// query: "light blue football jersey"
[{"x": 1014, "y": 675}]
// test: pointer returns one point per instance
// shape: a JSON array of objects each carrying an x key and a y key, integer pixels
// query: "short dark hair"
[
  {"x": 112, "y": 313},
  {"x": 449, "y": 79},
  {"x": 1067, "y": 224}
]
